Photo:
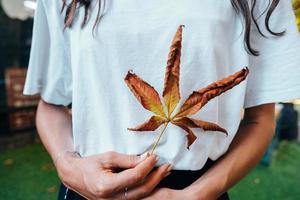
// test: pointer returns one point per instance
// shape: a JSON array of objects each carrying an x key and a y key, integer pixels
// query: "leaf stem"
[{"x": 158, "y": 139}]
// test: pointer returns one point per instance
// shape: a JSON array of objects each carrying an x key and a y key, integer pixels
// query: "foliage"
[
  {"x": 150, "y": 100},
  {"x": 28, "y": 174},
  {"x": 296, "y": 6},
  {"x": 279, "y": 181}
]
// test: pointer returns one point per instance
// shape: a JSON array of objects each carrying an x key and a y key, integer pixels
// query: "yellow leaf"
[
  {"x": 186, "y": 123},
  {"x": 191, "y": 137},
  {"x": 196, "y": 123},
  {"x": 52, "y": 189},
  {"x": 48, "y": 167},
  {"x": 151, "y": 125},
  {"x": 171, "y": 93},
  {"x": 8, "y": 162},
  {"x": 199, "y": 98},
  {"x": 150, "y": 100},
  {"x": 145, "y": 94}
]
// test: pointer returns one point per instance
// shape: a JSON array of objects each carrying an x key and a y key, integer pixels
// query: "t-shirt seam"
[{"x": 266, "y": 96}]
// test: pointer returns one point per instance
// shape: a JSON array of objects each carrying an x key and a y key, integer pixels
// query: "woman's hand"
[{"x": 94, "y": 177}]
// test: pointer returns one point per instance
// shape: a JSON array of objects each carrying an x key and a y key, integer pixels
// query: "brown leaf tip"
[
  {"x": 129, "y": 74},
  {"x": 222, "y": 130},
  {"x": 246, "y": 71},
  {"x": 225, "y": 132}
]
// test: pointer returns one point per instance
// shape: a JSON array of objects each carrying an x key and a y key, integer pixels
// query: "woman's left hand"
[{"x": 166, "y": 193}]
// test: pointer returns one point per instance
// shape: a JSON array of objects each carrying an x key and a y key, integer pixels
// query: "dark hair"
[{"x": 242, "y": 7}]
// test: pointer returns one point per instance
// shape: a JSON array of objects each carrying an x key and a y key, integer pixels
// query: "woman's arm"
[
  {"x": 94, "y": 176},
  {"x": 253, "y": 137},
  {"x": 54, "y": 126}
]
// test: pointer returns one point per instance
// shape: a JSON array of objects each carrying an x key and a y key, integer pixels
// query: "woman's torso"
[{"x": 137, "y": 35}]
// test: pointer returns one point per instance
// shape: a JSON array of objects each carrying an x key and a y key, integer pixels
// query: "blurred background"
[{"x": 26, "y": 170}]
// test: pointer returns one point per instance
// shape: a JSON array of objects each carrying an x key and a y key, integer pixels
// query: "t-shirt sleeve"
[
  {"x": 275, "y": 74},
  {"x": 49, "y": 71}
]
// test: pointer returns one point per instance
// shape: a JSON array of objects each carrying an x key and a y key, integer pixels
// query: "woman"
[{"x": 74, "y": 60}]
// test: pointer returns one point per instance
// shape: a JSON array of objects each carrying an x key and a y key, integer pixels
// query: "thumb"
[
  {"x": 124, "y": 161},
  {"x": 141, "y": 158}
]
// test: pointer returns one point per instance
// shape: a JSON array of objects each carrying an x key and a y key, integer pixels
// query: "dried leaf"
[
  {"x": 48, "y": 167},
  {"x": 8, "y": 162},
  {"x": 171, "y": 93},
  {"x": 199, "y": 98},
  {"x": 151, "y": 125},
  {"x": 145, "y": 94},
  {"x": 52, "y": 189},
  {"x": 191, "y": 137},
  {"x": 196, "y": 123},
  {"x": 150, "y": 100}
]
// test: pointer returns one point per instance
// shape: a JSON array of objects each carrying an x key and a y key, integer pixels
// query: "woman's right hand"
[{"x": 94, "y": 177}]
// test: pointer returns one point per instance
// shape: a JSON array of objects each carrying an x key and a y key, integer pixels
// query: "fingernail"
[
  {"x": 170, "y": 167},
  {"x": 167, "y": 174},
  {"x": 156, "y": 158},
  {"x": 144, "y": 156}
]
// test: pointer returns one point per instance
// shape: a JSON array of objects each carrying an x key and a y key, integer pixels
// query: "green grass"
[
  {"x": 28, "y": 174},
  {"x": 279, "y": 181}
]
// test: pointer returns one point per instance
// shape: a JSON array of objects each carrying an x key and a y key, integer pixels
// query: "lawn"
[
  {"x": 28, "y": 174},
  {"x": 279, "y": 181}
]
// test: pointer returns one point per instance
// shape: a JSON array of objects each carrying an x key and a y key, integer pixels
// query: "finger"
[
  {"x": 119, "y": 160},
  {"x": 148, "y": 185},
  {"x": 131, "y": 177}
]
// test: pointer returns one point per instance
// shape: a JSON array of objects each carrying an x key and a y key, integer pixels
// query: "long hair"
[{"x": 243, "y": 8}]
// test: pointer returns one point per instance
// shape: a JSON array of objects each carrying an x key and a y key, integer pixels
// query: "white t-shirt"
[{"x": 75, "y": 67}]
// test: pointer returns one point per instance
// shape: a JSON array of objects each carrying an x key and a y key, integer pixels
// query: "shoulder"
[
  {"x": 52, "y": 3},
  {"x": 281, "y": 5},
  {"x": 51, "y": 7},
  {"x": 49, "y": 12}
]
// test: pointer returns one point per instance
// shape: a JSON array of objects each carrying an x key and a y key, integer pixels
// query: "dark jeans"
[{"x": 178, "y": 179}]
